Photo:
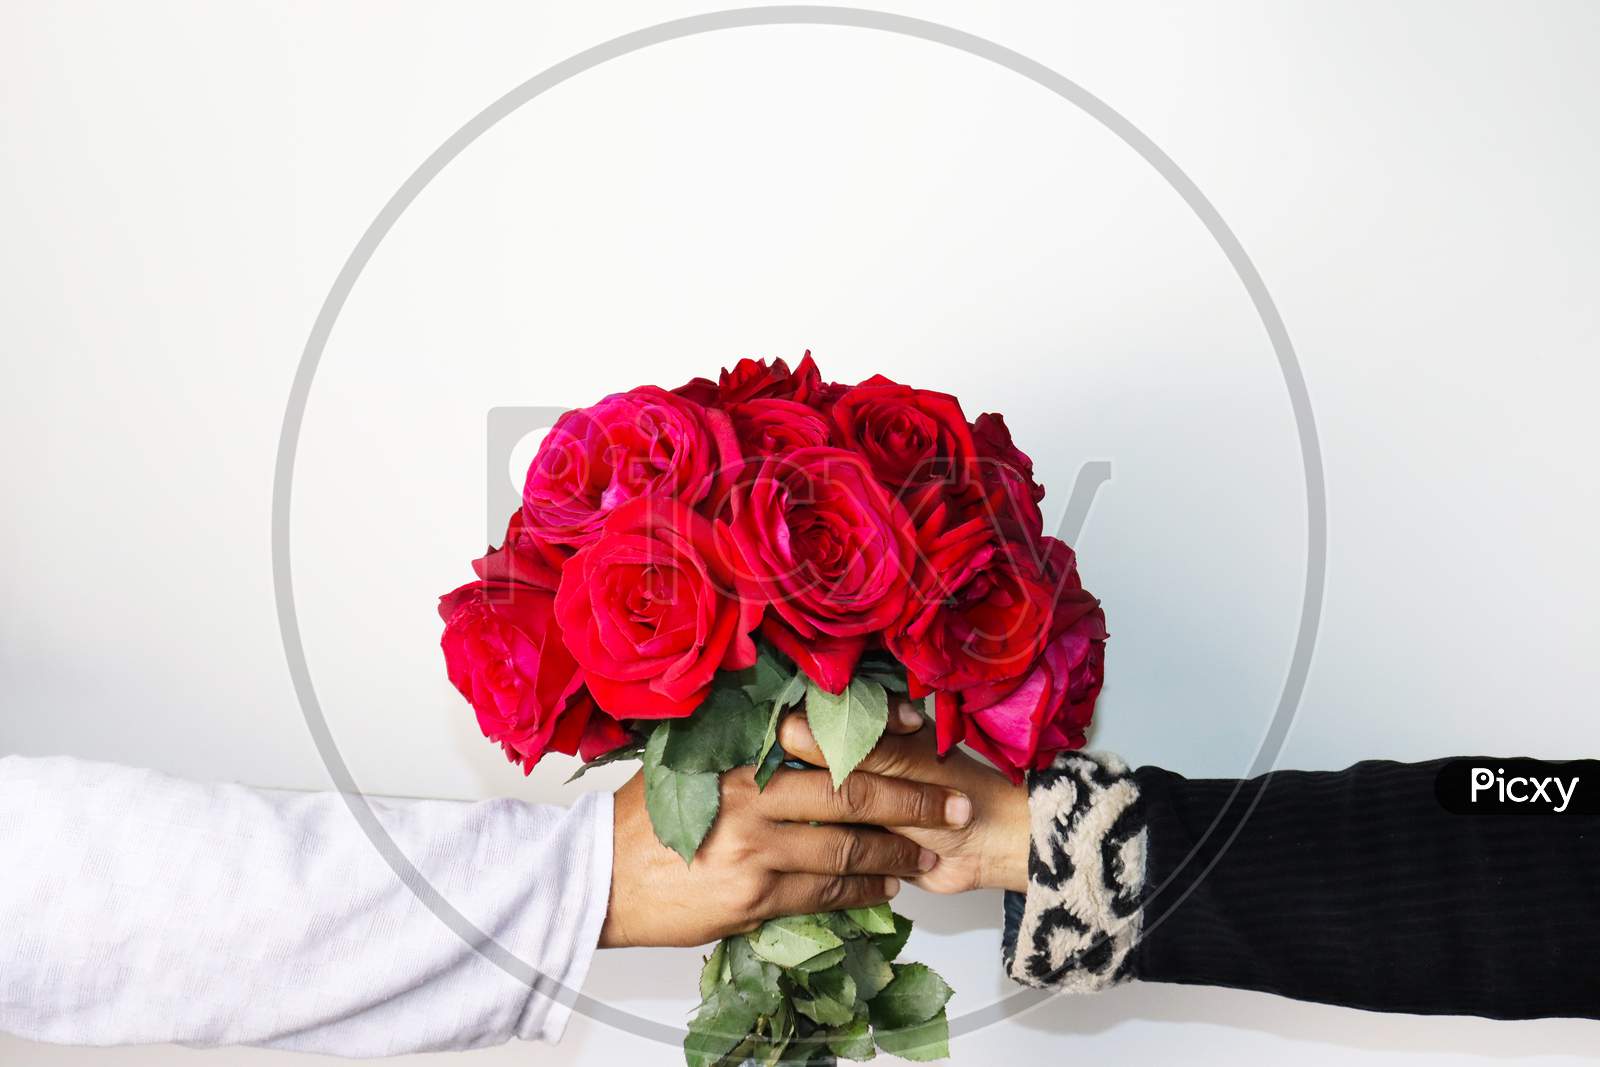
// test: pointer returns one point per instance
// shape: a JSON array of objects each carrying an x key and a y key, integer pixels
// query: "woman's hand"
[
  {"x": 987, "y": 851},
  {"x": 763, "y": 858}
]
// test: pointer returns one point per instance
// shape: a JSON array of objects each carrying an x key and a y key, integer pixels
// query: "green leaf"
[
  {"x": 721, "y": 1025},
  {"x": 878, "y": 919},
  {"x": 848, "y": 724},
  {"x": 819, "y": 1052},
  {"x": 793, "y": 691},
  {"x": 711, "y": 973},
  {"x": 928, "y": 1040},
  {"x": 723, "y": 733},
  {"x": 780, "y": 1030},
  {"x": 770, "y": 762},
  {"x": 853, "y": 1040},
  {"x": 883, "y": 668},
  {"x": 892, "y": 680},
  {"x": 792, "y": 940},
  {"x": 916, "y": 995},
  {"x": 878, "y": 659},
  {"x": 754, "y": 978},
  {"x": 769, "y": 739},
  {"x": 891, "y": 944},
  {"x": 821, "y": 961},
  {"x": 682, "y": 806},
  {"x": 864, "y": 963},
  {"x": 741, "y": 1052},
  {"x": 840, "y": 923},
  {"x": 832, "y": 1001},
  {"x": 631, "y": 751},
  {"x": 766, "y": 679},
  {"x": 836, "y": 982}
]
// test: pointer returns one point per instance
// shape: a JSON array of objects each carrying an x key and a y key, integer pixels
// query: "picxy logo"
[
  {"x": 1490, "y": 786},
  {"x": 1520, "y": 789}
]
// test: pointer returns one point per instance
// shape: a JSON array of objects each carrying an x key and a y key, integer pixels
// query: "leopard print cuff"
[{"x": 1080, "y": 918}]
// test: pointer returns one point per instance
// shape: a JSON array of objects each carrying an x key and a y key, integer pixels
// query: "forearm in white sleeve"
[{"x": 140, "y": 908}]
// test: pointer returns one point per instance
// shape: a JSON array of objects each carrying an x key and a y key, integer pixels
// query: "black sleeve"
[{"x": 1350, "y": 887}]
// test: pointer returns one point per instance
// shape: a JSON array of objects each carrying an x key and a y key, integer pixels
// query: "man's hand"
[
  {"x": 763, "y": 858},
  {"x": 987, "y": 851}
]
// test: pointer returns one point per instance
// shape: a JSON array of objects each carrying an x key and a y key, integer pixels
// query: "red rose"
[
  {"x": 645, "y": 442},
  {"x": 504, "y": 651},
  {"x": 755, "y": 379},
  {"x": 1005, "y": 475},
  {"x": 1050, "y": 709},
  {"x": 523, "y": 559},
  {"x": 1022, "y": 724},
  {"x": 908, "y": 436},
  {"x": 827, "y": 395},
  {"x": 773, "y": 427},
  {"x": 829, "y": 661},
  {"x": 653, "y": 608},
  {"x": 979, "y": 610},
  {"x": 830, "y": 550}
]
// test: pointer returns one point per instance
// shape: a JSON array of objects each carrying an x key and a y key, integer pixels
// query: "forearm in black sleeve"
[{"x": 1349, "y": 887}]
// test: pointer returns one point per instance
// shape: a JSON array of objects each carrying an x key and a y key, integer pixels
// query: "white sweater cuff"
[
  {"x": 567, "y": 964},
  {"x": 138, "y": 908}
]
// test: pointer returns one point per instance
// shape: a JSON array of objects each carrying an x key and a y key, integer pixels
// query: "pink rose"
[
  {"x": 503, "y": 651},
  {"x": 645, "y": 442},
  {"x": 653, "y": 607}
]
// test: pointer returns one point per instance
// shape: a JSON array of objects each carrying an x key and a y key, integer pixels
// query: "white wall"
[{"x": 182, "y": 181}]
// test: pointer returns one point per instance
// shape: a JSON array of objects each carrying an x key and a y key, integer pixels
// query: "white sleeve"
[{"x": 138, "y": 908}]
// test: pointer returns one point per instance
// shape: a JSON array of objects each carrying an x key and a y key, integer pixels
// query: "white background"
[{"x": 180, "y": 183}]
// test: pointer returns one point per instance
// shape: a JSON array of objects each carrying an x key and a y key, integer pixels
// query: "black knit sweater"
[{"x": 1351, "y": 887}]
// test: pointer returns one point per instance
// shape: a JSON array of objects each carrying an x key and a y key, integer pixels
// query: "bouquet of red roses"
[{"x": 687, "y": 564}]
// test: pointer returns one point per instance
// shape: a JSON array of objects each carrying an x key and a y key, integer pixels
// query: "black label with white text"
[{"x": 1519, "y": 787}]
